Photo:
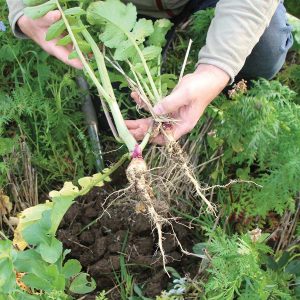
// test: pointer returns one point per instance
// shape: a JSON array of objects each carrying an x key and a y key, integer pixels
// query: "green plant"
[
  {"x": 237, "y": 268},
  {"x": 295, "y": 23},
  {"x": 257, "y": 146},
  {"x": 40, "y": 103},
  {"x": 43, "y": 266},
  {"x": 43, "y": 270},
  {"x": 293, "y": 7}
]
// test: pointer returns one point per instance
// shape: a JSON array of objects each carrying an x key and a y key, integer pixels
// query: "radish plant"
[
  {"x": 133, "y": 47},
  {"x": 134, "y": 43}
]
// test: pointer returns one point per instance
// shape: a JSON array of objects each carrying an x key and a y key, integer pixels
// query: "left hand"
[{"x": 186, "y": 103}]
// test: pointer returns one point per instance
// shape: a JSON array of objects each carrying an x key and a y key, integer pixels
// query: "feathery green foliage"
[
  {"x": 42, "y": 106},
  {"x": 257, "y": 145},
  {"x": 238, "y": 270}
]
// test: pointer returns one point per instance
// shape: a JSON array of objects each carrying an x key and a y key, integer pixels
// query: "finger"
[
  {"x": 135, "y": 96},
  {"x": 180, "y": 130},
  {"x": 141, "y": 123},
  {"x": 138, "y": 134},
  {"x": 159, "y": 140},
  {"x": 138, "y": 100},
  {"x": 50, "y": 18},
  {"x": 172, "y": 103},
  {"x": 62, "y": 53}
]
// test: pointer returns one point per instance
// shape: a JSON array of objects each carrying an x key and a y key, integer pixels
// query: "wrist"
[
  {"x": 206, "y": 83},
  {"x": 21, "y": 23},
  {"x": 217, "y": 76}
]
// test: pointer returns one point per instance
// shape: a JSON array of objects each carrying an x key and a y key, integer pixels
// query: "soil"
[{"x": 122, "y": 233}]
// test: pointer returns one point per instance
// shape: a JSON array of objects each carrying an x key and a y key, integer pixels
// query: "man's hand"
[
  {"x": 37, "y": 29},
  {"x": 186, "y": 103}
]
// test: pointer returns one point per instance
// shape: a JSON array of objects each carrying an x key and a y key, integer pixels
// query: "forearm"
[
  {"x": 16, "y": 8},
  {"x": 235, "y": 30}
]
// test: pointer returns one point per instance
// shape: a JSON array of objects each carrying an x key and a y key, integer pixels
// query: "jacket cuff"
[{"x": 13, "y": 19}]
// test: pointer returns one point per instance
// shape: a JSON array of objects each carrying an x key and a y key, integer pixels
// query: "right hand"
[{"x": 37, "y": 30}]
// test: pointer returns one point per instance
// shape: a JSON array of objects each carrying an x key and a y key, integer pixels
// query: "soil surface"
[{"x": 122, "y": 234}]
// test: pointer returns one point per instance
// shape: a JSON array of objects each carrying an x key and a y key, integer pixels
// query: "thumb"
[
  {"x": 50, "y": 18},
  {"x": 171, "y": 103}
]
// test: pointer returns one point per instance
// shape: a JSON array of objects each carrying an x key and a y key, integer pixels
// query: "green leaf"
[
  {"x": 30, "y": 261},
  {"x": 55, "y": 30},
  {"x": 35, "y": 282},
  {"x": 33, "y": 2},
  {"x": 124, "y": 51},
  {"x": 81, "y": 285},
  {"x": 66, "y": 40},
  {"x": 56, "y": 279},
  {"x": 28, "y": 217},
  {"x": 142, "y": 29},
  {"x": 51, "y": 253},
  {"x": 158, "y": 37},
  {"x": 37, "y": 233},
  {"x": 7, "y": 274},
  {"x": 39, "y": 10},
  {"x": 117, "y": 24},
  {"x": 71, "y": 268},
  {"x": 74, "y": 11},
  {"x": 151, "y": 52},
  {"x": 283, "y": 259},
  {"x": 293, "y": 267}
]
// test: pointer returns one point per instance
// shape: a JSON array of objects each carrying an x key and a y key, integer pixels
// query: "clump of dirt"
[{"x": 122, "y": 231}]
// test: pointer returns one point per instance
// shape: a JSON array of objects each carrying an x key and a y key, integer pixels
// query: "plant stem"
[
  {"x": 82, "y": 58},
  {"x": 143, "y": 60},
  {"x": 111, "y": 170},
  {"x": 106, "y": 90},
  {"x": 153, "y": 86},
  {"x": 123, "y": 131}
]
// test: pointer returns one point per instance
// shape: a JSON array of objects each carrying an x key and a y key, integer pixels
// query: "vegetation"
[{"x": 246, "y": 147}]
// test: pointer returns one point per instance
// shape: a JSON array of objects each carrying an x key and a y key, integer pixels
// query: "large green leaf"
[
  {"x": 30, "y": 261},
  {"x": 71, "y": 268},
  {"x": 120, "y": 29},
  {"x": 40, "y": 10},
  {"x": 51, "y": 252},
  {"x": 35, "y": 282},
  {"x": 117, "y": 18},
  {"x": 37, "y": 233},
  {"x": 158, "y": 37},
  {"x": 26, "y": 218},
  {"x": 55, "y": 30},
  {"x": 81, "y": 284},
  {"x": 7, "y": 275}
]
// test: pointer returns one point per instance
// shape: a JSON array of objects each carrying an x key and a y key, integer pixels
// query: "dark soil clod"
[{"x": 99, "y": 248}]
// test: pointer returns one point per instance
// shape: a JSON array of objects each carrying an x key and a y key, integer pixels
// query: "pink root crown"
[
  {"x": 167, "y": 126},
  {"x": 137, "y": 152}
]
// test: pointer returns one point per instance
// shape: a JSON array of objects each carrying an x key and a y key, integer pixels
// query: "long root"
[
  {"x": 138, "y": 177},
  {"x": 177, "y": 155}
]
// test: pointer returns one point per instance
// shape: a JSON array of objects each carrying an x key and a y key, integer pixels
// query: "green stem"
[
  {"x": 106, "y": 90},
  {"x": 123, "y": 131},
  {"x": 87, "y": 67},
  {"x": 153, "y": 86},
  {"x": 136, "y": 46},
  {"x": 111, "y": 170}
]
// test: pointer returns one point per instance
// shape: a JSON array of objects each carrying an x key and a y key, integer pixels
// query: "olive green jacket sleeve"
[
  {"x": 234, "y": 31},
  {"x": 15, "y": 12}
]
